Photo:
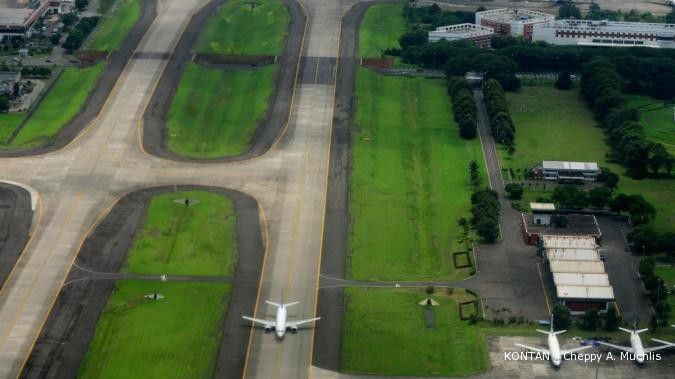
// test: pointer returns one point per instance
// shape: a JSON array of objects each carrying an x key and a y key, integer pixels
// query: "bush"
[
  {"x": 564, "y": 82},
  {"x": 590, "y": 320},
  {"x": 562, "y": 318},
  {"x": 463, "y": 106},
  {"x": 647, "y": 266},
  {"x": 515, "y": 190},
  {"x": 485, "y": 210}
]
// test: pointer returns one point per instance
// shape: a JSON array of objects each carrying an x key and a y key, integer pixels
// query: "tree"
[
  {"x": 659, "y": 157},
  {"x": 55, "y": 38},
  {"x": 515, "y": 190},
  {"x": 598, "y": 197},
  {"x": 68, "y": 20},
  {"x": 640, "y": 210},
  {"x": 569, "y": 196},
  {"x": 611, "y": 320},
  {"x": 562, "y": 318},
  {"x": 647, "y": 266},
  {"x": 564, "y": 82},
  {"x": 413, "y": 38},
  {"x": 644, "y": 239},
  {"x": 4, "y": 104},
  {"x": 619, "y": 203},
  {"x": 569, "y": 10},
  {"x": 590, "y": 320},
  {"x": 608, "y": 178},
  {"x": 474, "y": 174},
  {"x": 81, "y": 4},
  {"x": 488, "y": 229}
]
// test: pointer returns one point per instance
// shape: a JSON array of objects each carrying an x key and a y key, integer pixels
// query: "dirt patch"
[
  {"x": 70, "y": 326},
  {"x": 377, "y": 63},
  {"x": 89, "y": 57},
  {"x": 155, "y": 138}
]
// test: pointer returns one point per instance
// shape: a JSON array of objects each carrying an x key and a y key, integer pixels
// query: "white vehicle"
[
  {"x": 638, "y": 351},
  {"x": 554, "y": 353},
  {"x": 281, "y": 325}
]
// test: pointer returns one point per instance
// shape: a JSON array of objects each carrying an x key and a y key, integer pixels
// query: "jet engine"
[
  {"x": 269, "y": 329},
  {"x": 292, "y": 329}
]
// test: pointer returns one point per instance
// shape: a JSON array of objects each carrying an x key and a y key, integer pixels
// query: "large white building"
[
  {"x": 569, "y": 171},
  {"x": 606, "y": 33},
  {"x": 512, "y": 21},
  {"x": 480, "y": 35}
]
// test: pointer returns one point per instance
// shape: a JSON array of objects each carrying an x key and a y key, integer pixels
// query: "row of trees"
[
  {"x": 501, "y": 124},
  {"x": 644, "y": 239},
  {"x": 485, "y": 211},
  {"x": 591, "y": 320},
  {"x": 601, "y": 86},
  {"x": 79, "y": 33},
  {"x": 36, "y": 71},
  {"x": 657, "y": 290},
  {"x": 463, "y": 106},
  {"x": 433, "y": 16}
]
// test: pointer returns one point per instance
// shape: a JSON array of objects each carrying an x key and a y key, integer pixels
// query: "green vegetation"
[
  {"x": 557, "y": 125},
  {"x": 667, "y": 273},
  {"x": 175, "y": 337},
  {"x": 9, "y": 122},
  {"x": 375, "y": 36},
  {"x": 60, "y": 105},
  {"x": 410, "y": 168},
  {"x": 195, "y": 240},
  {"x": 657, "y": 118},
  {"x": 384, "y": 332},
  {"x": 114, "y": 26},
  {"x": 215, "y": 112},
  {"x": 246, "y": 28}
]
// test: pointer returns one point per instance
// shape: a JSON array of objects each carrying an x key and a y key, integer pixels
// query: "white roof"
[
  {"x": 578, "y": 279},
  {"x": 461, "y": 31},
  {"x": 611, "y": 26},
  {"x": 580, "y": 267},
  {"x": 568, "y": 242},
  {"x": 585, "y": 292},
  {"x": 573, "y": 166},
  {"x": 573, "y": 254},
  {"x": 542, "y": 206}
]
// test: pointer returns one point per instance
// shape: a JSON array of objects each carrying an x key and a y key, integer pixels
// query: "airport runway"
[{"x": 78, "y": 184}]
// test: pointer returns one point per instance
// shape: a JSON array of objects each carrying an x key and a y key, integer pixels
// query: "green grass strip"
[
  {"x": 176, "y": 337},
  {"x": 381, "y": 28},
  {"x": 215, "y": 112},
  {"x": 244, "y": 27},
  {"x": 409, "y": 183},
  {"x": 59, "y": 106},
  {"x": 114, "y": 26},
  {"x": 9, "y": 122},
  {"x": 179, "y": 240}
]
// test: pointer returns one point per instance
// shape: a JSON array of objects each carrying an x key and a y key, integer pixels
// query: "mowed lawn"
[
  {"x": 216, "y": 111},
  {"x": 244, "y": 27},
  {"x": 557, "y": 125},
  {"x": 409, "y": 183},
  {"x": 657, "y": 118},
  {"x": 668, "y": 275},
  {"x": 9, "y": 122},
  {"x": 66, "y": 97},
  {"x": 175, "y": 337},
  {"x": 114, "y": 25},
  {"x": 384, "y": 332},
  {"x": 381, "y": 27},
  {"x": 196, "y": 240}
]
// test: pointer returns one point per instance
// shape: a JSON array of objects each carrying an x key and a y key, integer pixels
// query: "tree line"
[
  {"x": 657, "y": 291},
  {"x": 501, "y": 125},
  {"x": 79, "y": 33},
  {"x": 463, "y": 106},
  {"x": 601, "y": 87}
]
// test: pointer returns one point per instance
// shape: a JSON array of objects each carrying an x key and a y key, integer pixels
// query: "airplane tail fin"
[
  {"x": 291, "y": 303},
  {"x": 273, "y": 303}
]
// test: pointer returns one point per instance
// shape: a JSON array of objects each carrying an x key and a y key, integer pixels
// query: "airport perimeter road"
[{"x": 79, "y": 183}]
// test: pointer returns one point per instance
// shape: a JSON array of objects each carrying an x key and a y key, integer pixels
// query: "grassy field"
[
  {"x": 657, "y": 119},
  {"x": 668, "y": 275},
  {"x": 176, "y": 337},
  {"x": 59, "y": 106},
  {"x": 557, "y": 125},
  {"x": 114, "y": 26},
  {"x": 179, "y": 240},
  {"x": 375, "y": 36},
  {"x": 384, "y": 332},
  {"x": 409, "y": 183},
  {"x": 9, "y": 122},
  {"x": 215, "y": 112},
  {"x": 246, "y": 28}
]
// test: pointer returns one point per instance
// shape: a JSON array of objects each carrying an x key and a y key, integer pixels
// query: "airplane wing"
[
  {"x": 655, "y": 348},
  {"x": 533, "y": 348},
  {"x": 576, "y": 349},
  {"x": 619, "y": 347},
  {"x": 261, "y": 322},
  {"x": 301, "y": 322}
]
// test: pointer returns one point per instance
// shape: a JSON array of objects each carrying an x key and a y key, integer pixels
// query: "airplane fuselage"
[
  {"x": 638, "y": 349},
  {"x": 280, "y": 328},
  {"x": 554, "y": 350}
]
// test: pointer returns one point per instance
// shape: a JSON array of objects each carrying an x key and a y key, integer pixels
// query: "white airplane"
[
  {"x": 636, "y": 347},
  {"x": 281, "y": 325},
  {"x": 555, "y": 354}
]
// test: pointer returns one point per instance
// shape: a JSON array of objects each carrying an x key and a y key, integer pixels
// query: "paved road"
[{"x": 80, "y": 182}]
